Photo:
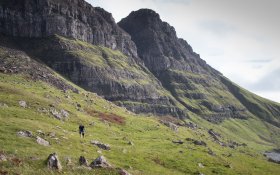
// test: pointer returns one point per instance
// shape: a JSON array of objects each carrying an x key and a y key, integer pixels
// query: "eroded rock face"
[{"x": 79, "y": 20}]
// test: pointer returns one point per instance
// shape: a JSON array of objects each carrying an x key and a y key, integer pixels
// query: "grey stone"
[
  {"x": 41, "y": 141},
  {"x": 101, "y": 145},
  {"x": 53, "y": 162},
  {"x": 100, "y": 162},
  {"x": 22, "y": 104},
  {"x": 178, "y": 141},
  {"x": 24, "y": 133}
]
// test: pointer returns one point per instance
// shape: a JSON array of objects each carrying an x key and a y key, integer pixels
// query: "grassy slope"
[{"x": 153, "y": 151}]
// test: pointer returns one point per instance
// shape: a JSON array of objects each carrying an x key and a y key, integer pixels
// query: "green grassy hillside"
[{"x": 152, "y": 150}]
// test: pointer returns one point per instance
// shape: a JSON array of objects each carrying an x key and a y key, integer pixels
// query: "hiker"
[{"x": 82, "y": 131}]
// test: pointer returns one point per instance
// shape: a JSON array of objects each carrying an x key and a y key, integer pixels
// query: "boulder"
[
  {"x": 100, "y": 145},
  {"x": 22, "y": 104},
  {"x": 41, "y": 141},
  {"x": 53, "y": 162},
  {"x": 24, "y": 133},
  {"x": 83, "y": 161},
  {"x": 100, "y": 162}
]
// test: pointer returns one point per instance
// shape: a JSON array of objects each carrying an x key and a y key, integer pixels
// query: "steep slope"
[
  {"x": 109, "y": 73},
  {"x": 139, "y": 144},
  {"x": 197, "y": 86}
]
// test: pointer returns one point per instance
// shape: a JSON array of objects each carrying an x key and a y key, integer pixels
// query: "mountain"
[
  {"x": 197, "y": 86},
  {"x": 63, "y": 63}
]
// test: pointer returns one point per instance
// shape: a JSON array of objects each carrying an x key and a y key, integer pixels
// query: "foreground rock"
[
  {"x": 83, "y": 161},
  {"x": 53, "y": 162},
  {"x": 24, "y": 134},
  {"x": 41, "y": 141},
  {"x": 100, "y": 145},
  {"x": 273, "y": 156},
  {"x": 100, "y": 162}
]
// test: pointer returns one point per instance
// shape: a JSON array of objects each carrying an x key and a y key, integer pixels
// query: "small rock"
[
  {"x": 92, "y": 124},
  {"x": 22, "y": 104},
  {"x": 40, "y": 132},
  {"x": 100, "y": 145},
  {"x": 83, "y": 161},
  {"x": 53, "y": 162},
  {"x": 200, "y": 165},
  {"x": 52, "y": 134},
  {"x": 123, "y": 172},
  {"x": 210, "y": 152},
  {"x": 3, "y": 158},
  {"x": 79, "y": 105},
  {"x": 56, "y": 114},
  {"x": 100, "y": 162},
  {"x": 41, "y": 141},
  {"x": 178, "y": 141},
  {"x": 198, "y": 142},
  {"x": 24, "y": 134},
  {"x": 228, "y": 166}
]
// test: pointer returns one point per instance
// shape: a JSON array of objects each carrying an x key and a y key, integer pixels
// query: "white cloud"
[{"x": 228, "y": 34}]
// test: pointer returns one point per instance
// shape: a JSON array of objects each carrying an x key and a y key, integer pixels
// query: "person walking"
[{"x": 82, "y": 131}]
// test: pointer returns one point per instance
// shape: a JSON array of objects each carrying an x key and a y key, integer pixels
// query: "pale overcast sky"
[{"x": 240, "y": 38}]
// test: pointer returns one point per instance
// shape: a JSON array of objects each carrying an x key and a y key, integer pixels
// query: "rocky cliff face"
[
  {"x": 109, "y": 73},
  {"x": 191, "y": 81},
  {"x": 70, "y": 18}
]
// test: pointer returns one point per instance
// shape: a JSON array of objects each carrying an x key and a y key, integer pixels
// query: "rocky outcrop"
[{"x": 70, "y": 18}]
